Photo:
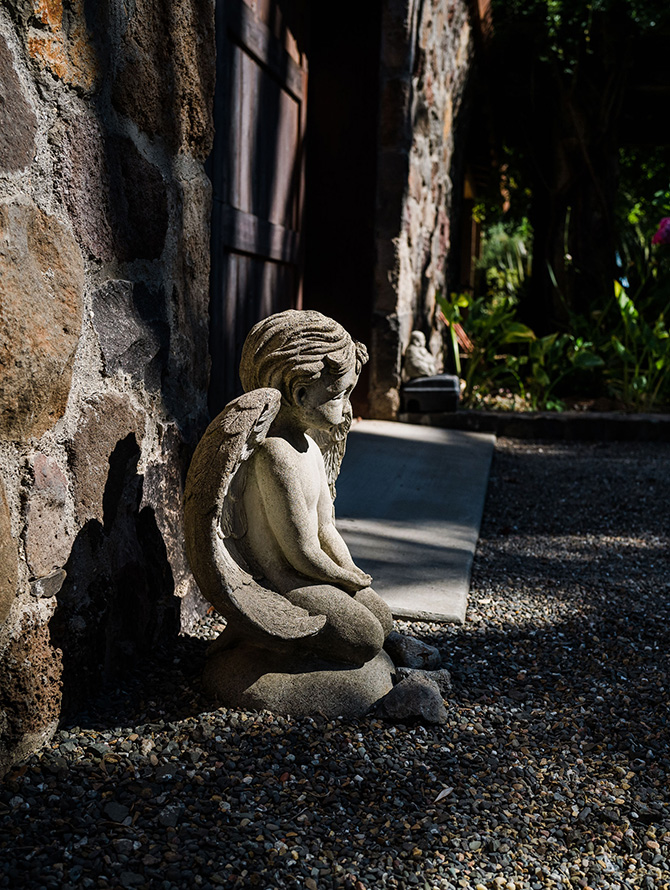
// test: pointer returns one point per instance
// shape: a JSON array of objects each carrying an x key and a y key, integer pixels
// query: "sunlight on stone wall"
[
  {"x": 426, "y": 56},
  {"x": 105, "y": 121}
]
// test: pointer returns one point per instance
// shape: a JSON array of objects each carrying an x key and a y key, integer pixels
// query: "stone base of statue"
[{"x": 247, "y": 676}]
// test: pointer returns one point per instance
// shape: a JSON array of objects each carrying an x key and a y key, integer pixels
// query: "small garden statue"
[
  {"x": 419, "y": 361},
  {"x": 305, "y": 630}
]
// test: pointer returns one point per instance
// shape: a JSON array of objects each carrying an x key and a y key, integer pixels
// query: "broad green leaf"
[
  {"x": 584, "y": 360},
  {"x": 620, "y": 349},
  {"x": 515, "y": 332}
]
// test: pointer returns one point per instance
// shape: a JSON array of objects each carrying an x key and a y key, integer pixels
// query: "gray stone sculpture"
[
  {"x": 305, "y": 630},
  {"x": 418, "y": 361}
]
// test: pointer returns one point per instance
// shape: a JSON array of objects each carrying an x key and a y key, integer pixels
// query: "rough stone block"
[
  {"x": 58, "y": 39},
  {"x": 8, "y": 559},
  {"x": 30, "y": 694},
  {"x": 162, "y": 492},
  {"x": 158, "y": 77},
  {"x": 409, "y": 652},
  {"x": 105, "y": 421},
  {"x": 127, "y": 341},
  {"x": 138, "y": 202},
  {"x": 48, "y": 587},
  {"x": 18, "y": 124},
  {"x": 48, "y": 534},
  {"x": 42, "y": 276},
  {"x": 441, "y": 676},
  {"x": 117, "y": 200},
  {"x": 84, "y": 185}
]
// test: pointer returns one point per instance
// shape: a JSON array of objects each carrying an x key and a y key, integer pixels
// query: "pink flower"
[{"x": 663, "y": 234}]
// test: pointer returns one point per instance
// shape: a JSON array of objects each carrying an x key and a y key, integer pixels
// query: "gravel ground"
[{"x": 553, "y": 770}]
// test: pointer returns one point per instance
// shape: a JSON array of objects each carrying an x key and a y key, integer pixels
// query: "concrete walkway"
[{"x": 409, "y": 504}]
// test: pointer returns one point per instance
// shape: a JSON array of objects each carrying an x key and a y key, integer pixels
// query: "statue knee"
[
  {"x": 361, "y": 639},
  {"x": 352, "y": 633},
  {"x": 379, "y": 608}
]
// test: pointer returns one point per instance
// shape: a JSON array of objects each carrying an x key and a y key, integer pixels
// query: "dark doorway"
[{"x": 342, "y": 143}]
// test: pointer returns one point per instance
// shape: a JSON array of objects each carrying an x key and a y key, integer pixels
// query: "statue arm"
[
  {"x": 332, "y": 542},
  {"x": 294, "y": 526}
]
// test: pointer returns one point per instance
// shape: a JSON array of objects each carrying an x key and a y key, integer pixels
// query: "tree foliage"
[{"x": 559, "y": 71}]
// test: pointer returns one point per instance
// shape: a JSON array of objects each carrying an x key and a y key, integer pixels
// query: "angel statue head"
[{"x": 310, "y": 359}]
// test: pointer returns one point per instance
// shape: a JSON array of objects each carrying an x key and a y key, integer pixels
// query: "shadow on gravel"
[
  {"x": 601, "y": 488},
  {"x": 569, "y": 617},
  {"x": 164, "y": 686},
  {"x": 583, "y": 684}
]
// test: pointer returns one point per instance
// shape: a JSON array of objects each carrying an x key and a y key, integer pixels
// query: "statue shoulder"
[{"x": 274, "y": 454}]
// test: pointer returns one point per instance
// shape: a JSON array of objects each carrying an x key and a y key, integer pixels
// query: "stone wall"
[
  {"x": 426, "y": 54},
  {"x": 105, "y": 122}
]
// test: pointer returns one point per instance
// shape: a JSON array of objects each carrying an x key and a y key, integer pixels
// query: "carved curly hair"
[{"x": 294, "y": 348}]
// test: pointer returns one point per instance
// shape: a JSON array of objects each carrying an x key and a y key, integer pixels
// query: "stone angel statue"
[
  {"x": 418, "y": 360},
  {"x": 260, "y": 531}
]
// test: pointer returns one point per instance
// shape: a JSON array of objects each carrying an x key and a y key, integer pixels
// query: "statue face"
[{"x": 325, "y": 403}]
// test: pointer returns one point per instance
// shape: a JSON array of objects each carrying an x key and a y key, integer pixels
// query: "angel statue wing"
[
  {"x": 214, "y": 519},
  {"x": 333, "y": 444}
]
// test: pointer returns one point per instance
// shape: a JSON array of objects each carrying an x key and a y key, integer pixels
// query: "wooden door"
[{"x": 257, "y": 171}]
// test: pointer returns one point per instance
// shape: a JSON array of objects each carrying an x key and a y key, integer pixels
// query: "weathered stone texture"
[
  {"x": 138, "y": 202},
  {"x": 49, "y": 534},
  {"x": 441, "y": 677},
  {"x": 409, "y": 652},
  {"x": 163, "y": 494},
  {"x": 117, "y": 599},
  {"x": 155, "y": 76},
  {"x": 443, "y": 47},
  {"x": 8, "y": 559},
  {"x": 190, "y": 346},
  {"x": 117, "y": 200},
  {"x": 105, "y": 421},
  {"x": 128, "y": 342},
  {"x": 48, "y": 586},
  {"x": 84, "y": 185},
  {"x": 415, "y": 699},
  {"x": 18, "y": 123},
  {"x": 30, "y": 693},
  {"x": 57, "y": 38},
  {"x": 107, "y": 106},
  {"x": 41, "y": 285}
]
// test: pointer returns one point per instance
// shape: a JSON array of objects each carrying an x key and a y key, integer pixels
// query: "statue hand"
[{"x": 359, "y": 580}]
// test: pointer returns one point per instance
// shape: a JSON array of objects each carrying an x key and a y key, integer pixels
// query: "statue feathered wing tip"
[{"x": 214, "y": 518}]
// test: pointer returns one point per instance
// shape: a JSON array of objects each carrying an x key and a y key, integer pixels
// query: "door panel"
[{"x": 257, "y": 172}]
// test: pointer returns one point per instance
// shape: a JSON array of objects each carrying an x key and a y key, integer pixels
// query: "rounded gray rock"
[
  {"x": 413, "y": 699},
  {"x": 409, "y": 652}
]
